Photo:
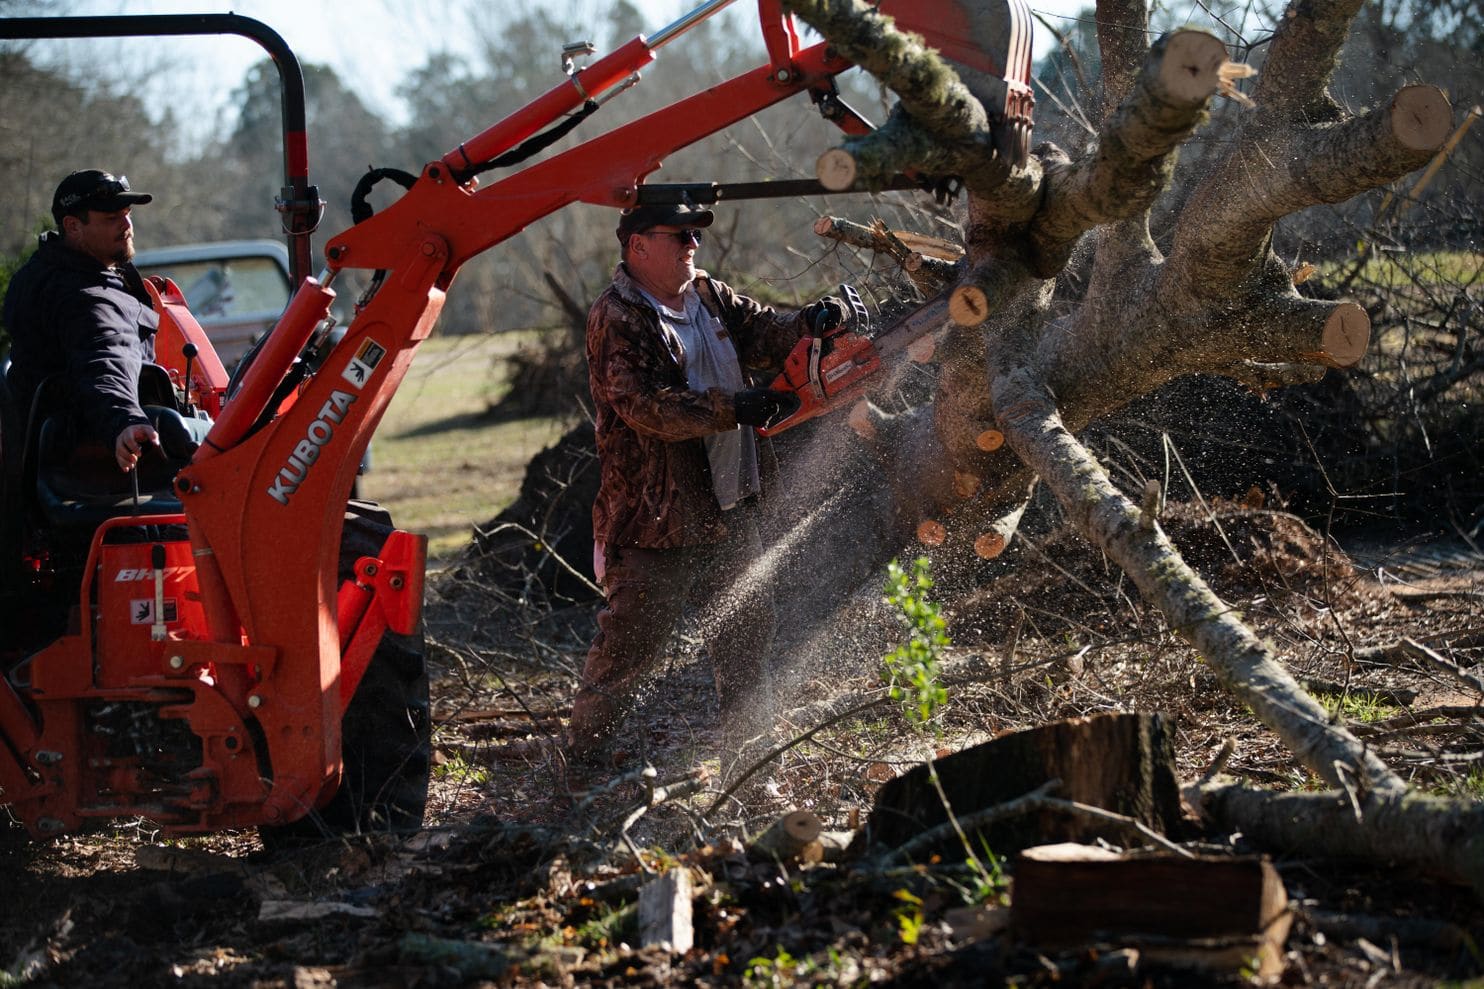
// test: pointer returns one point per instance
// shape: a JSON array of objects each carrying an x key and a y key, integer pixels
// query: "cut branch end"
[
  {"x": 1421, "y": 118},
  {"x": 1345, "y": 336},
  {"x": 930, "y": 532},
  {"x": 836, "y": 170},
  {"x": 1190, "y": 70}
]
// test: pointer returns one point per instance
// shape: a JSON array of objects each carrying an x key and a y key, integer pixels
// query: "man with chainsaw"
[
  {"x": 78, "y": 308},
  {"x": 675, "y": 520}
]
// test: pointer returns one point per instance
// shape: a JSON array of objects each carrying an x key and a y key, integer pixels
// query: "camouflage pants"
[{"x": 648, "y": 592}]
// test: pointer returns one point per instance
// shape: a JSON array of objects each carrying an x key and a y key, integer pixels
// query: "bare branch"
[
  {"x": 1228, "y": 220},
  {"x": 1302, "y": 57},
  {"x": 1137, "y": 148}
]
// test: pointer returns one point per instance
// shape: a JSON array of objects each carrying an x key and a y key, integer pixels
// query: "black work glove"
[
  {"x": 825, "y": 316},
  {"x": 764, "y": 406}
]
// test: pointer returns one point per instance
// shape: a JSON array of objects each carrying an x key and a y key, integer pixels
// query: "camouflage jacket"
[{"x": 655, "y": 482}]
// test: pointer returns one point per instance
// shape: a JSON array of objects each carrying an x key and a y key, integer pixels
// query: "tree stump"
[
  {"x": 793, "y": 837},
  {"x": 1123, "y": 763}
]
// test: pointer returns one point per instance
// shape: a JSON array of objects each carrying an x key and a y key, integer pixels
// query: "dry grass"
[{"x": 441, "y": 463}]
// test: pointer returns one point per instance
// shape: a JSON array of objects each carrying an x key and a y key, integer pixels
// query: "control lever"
[{"x": 189, "y": 352}]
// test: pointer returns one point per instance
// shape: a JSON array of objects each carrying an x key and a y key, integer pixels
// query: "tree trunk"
[
  {"x": 1119, "y": 762},
  {"x": 1221, "y": 303}
]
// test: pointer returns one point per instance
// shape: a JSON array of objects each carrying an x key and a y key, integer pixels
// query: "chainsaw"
[{"x": 833, "y": 366}]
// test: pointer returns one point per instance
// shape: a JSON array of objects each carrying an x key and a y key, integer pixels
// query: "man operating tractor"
[
  {"x": 675, "y": 520},
  {"x": 79, "y": 310}
]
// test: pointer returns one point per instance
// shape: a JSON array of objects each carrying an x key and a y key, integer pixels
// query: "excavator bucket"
[{"x": 988, "y": 42}]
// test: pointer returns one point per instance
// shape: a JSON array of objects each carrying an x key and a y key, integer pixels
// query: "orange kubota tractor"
[{"x": 229, "y": 641}]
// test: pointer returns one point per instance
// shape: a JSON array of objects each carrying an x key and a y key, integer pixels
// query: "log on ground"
[{"x": 1206, "y": 912}]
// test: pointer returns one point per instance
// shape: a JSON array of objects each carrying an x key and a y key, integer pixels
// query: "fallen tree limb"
[
  {"x": 1430, "y": 657},
  {"x": 1245, "y": 664},
  {"x": 1439, "y": 835}
]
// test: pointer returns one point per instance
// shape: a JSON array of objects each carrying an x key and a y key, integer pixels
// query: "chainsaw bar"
[
  {"x": 916, "y": 324},
  {"x": 707, "y": 193}
]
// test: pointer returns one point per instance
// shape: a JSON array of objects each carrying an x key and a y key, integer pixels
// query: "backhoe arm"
[{"x": 265, "y": 494}]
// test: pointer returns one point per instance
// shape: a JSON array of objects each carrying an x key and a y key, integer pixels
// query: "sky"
[{"x": 371, "y": 44}]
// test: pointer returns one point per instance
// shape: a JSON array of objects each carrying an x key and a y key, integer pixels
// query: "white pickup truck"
[{"x": 236, "y": 289}]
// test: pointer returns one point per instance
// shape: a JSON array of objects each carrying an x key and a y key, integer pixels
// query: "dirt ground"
[{"x": 529, "y": 869}]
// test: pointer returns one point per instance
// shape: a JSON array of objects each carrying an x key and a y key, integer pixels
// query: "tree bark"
[{"x": 1440, "y": 835}]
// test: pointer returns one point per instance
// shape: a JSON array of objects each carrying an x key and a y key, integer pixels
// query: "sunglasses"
[
  {"x": 103, "y": 190},
  {"x": 690, "y": 235}
]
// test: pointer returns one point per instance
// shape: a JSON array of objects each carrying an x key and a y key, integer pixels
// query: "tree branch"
[
  {"x": 929, "y": 274},
  {"x": 1223, "y": 229},
  {"x": 1136, "y": 149},
  {"x": 903, "y": 143},
  {"x": 929, "y": 89},
  {"x": 1302, "y": 58},
  {"x": 1246, "y": 666},
  {"x": 939, "y": 126},
  {"x": 1290, "y": 329}
]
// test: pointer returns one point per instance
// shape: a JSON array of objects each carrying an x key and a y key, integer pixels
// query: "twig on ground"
[
  {"x": 736, "y": 784},
  {"x": 1020, "y": 805},
  {"x": 1430, "y": 657}
]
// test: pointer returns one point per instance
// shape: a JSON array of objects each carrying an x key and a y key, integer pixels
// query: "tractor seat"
[{"x": 79, "y": 484}]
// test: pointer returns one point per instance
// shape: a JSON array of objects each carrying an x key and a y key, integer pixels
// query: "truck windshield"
[{"x": 228, "y": 288}]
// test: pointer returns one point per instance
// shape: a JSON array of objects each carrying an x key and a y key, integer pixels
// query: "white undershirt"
[{"x": 709, "y": 359}]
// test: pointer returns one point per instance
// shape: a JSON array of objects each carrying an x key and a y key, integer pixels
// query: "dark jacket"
[
  {"x": 655, "y": 481},
  {"x": 69, "y": 315}
]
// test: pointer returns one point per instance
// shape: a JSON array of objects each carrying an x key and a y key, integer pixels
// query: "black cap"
[
  {"x": 642, "y": 218},
  {"x": 92, "y": 188}
]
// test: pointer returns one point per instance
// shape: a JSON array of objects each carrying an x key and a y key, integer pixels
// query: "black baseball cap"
[
  {"x": 642, "y": 218},
  {"x": 93, "y": 188}
]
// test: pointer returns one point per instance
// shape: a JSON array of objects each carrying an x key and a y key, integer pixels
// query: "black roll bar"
[{"x": 299, "y": 201}]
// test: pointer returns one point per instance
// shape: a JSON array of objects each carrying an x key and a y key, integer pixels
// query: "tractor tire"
[{"x": 386, "y": 735}]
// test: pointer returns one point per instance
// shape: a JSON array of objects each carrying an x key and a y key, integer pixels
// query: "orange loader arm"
[
  {"x": 250, "y": 494},
  {"x": 264, "y": 497}
]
